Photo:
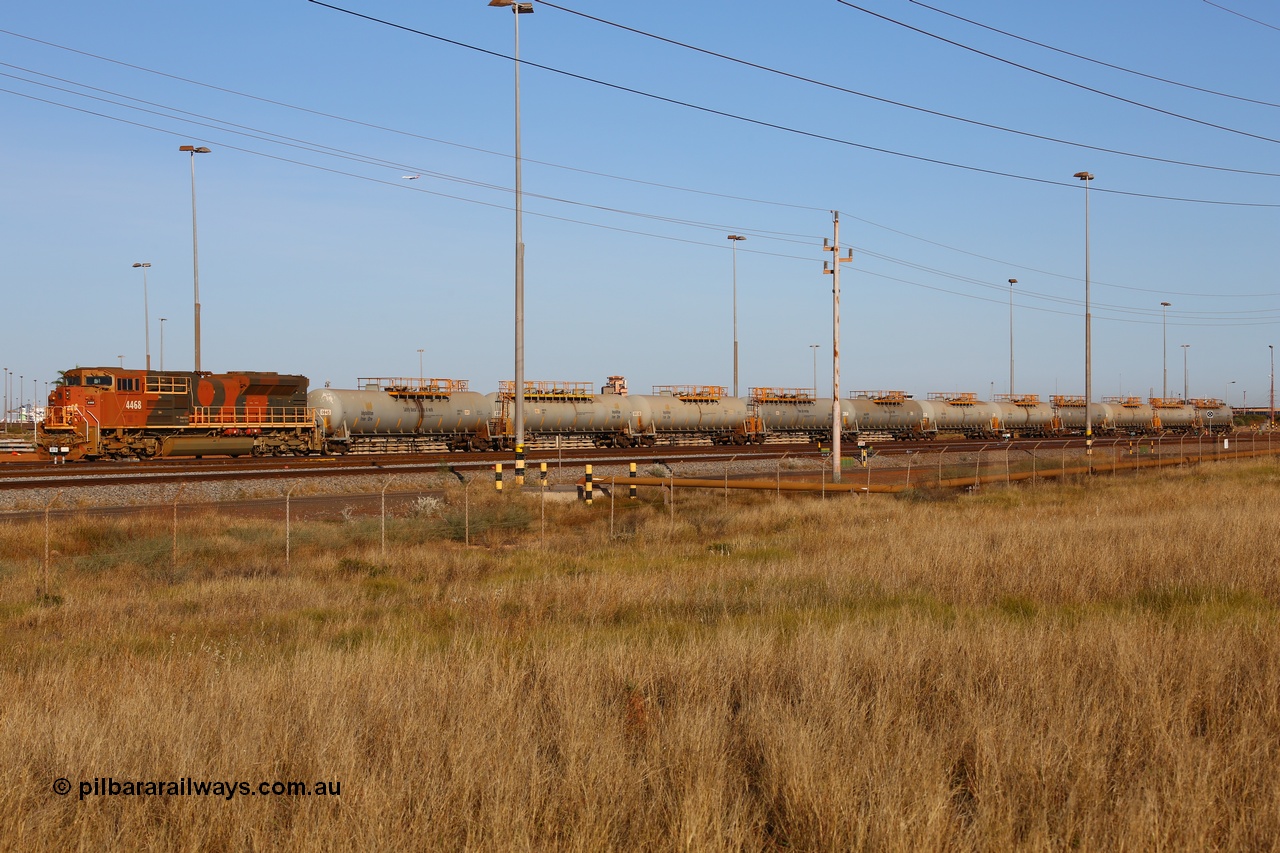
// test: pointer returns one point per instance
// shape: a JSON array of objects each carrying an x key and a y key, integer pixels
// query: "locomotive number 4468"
[{"x": 133, "y": 404}]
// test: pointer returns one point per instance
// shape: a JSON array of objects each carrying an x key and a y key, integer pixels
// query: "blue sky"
[{"x": 317, "y": 257}]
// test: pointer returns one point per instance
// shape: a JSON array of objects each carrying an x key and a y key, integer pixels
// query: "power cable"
[
  {"x": 781, "y": 127},
  {"x": 925, "y": 110},
  {"x": 1092, "y": 60},
  {"x": 1049, "y": 76},
  {"x": 1246, "y": 17}
]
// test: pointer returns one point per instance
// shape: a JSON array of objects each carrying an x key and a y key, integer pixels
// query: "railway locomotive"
[{"x": 114, "y": 413}]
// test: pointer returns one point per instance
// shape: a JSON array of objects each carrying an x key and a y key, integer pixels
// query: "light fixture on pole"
[
  {"x": 162, "y": 319},
  {"x": 121, "y": 360},
  {"x": 518, "y": 9},
  {"x": 1185, "y": 395},
  {"x": 195, "y": 240},
  {"x": 146, "y": 312},
  {"x": 814, "y": 347},
  {"x": 1088, "y": 330},
  {"x": 1164, "y": 345},
  {"x": 419, "y": 368},
  {"x": 1271, "y": 413},
  {"x": 1012, "y": 282},
  {"x": 1226, "y": 392},
  {"x": 734, "y": 239}
]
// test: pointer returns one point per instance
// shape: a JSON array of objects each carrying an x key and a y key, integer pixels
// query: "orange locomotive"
[{"x": 113, "y": 413}]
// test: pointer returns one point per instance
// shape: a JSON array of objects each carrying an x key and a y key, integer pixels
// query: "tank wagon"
[
  {"x": 1024, "y": 415},
  {"x": 114, "y": 413},
  {"x": 407, "y": 415},
  {"x": 403, "y": 415}
]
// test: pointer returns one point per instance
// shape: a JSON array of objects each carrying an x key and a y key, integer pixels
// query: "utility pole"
[{"x": 832, "y": 268}]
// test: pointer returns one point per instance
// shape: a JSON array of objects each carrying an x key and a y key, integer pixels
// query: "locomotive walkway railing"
[{"x": 253, "y": 417}]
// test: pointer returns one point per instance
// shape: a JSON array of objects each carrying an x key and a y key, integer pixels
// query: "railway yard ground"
[{"x": 1086, "y": 662}]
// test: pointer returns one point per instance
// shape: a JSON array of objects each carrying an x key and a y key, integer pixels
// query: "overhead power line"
[
  {"x": 1049, "y": 76},
  {"x": 936, "y": 113},
  {"x": 1096, "y": 61},
  {"x": 785, "y": 128},
  {"x": 1239, "y": 15}
]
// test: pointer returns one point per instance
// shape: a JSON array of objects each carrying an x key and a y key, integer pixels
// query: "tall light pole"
[
  {"x": 1226, "y": 393},
  {"x": 1164, "y": 345},
  {"x": 1012, "y": 282},
  {"x": 1271, "y": 414},
  {"x": 121, "y": 360},
  {"x": 146, "y": 312},
  {"x": 1185, "y": 395},
  {"x": 734, "y": 239},
  {"x": 162, "y": 319},
  {"x": 832, "y": 268},
  {"x": 195, "y": 240},
  {"x": 1088, "y": 329},
  {"x": 419, "y": 368},
  {"x": 518, "y": 9},
  {"x": 814, "y": 347}
]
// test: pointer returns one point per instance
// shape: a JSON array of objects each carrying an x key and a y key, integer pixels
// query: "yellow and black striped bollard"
[
  {"x": 497, "y": 476},
  {"x": 588, "y": 486},
  {"x": 631, "y": 490},
  {"x": 519, "y": 464}
]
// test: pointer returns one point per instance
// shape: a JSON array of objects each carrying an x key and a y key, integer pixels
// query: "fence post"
[
  {"x": 288, "y": 533},
  {"x": 385, "y": 486},
  {"x": 47, "y": 507},
  {"x": 175, "y": 527}
]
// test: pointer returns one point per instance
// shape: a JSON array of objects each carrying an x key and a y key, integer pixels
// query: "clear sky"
[{"x": 641, "y": 155}]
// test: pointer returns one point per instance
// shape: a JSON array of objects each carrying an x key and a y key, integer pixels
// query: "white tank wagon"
[
  {"x": 892, "y": 413},
  {"x": 1174, "y": 414},
  {"x": 558, "y": 410},
  {"x": 1213, "y": 414},
  {"x": 1070, "y": 409},
  {"x": 1132, "y": 415},
  {"x": 402, "y": 415},
  {"x": 1024, "y": 415},
  {"x": 684, "y": 412},
  {"x": 962, "y": 413}
]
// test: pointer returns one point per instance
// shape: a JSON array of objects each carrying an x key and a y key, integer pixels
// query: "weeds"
[{"x": 1090, "y": 665}]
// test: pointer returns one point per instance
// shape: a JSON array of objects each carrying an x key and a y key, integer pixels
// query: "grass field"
[{"x": 1074, "y": 665}]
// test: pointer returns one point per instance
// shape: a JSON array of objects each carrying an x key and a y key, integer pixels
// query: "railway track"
[{"x": 37, "y": 475}]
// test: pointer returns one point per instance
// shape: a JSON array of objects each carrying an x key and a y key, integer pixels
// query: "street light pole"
[
  {"x": 832, "y": 268},
  {"x": 814, "y": 347},
  {"x": 734, "y": 240},
  {"x": 1088, "y": 330},
  {"x": 1164, "y": 345},
  {"x": 195, "y": 240},
  {"x": 518, "y": 9},
  {"x": 1185, "y": 395},
  {"x": 162, "y": 319},
  {"x": 1226, "y": 393},
  {"x": 146, "y": 311},
  {"x": 1012, "y": 282},
  {"x": 419, "y": 369},
  {"x": 1271, "y": 414}
]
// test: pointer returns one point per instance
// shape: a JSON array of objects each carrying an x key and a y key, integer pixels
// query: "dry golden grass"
[{"x": 1089, "y": 666}]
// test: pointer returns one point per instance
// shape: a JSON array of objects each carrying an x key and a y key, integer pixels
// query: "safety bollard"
[
  {"x": 497, "y": 476},
  {"x": 631, "y": 491},
  {"x": 588, "y": 486}
]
